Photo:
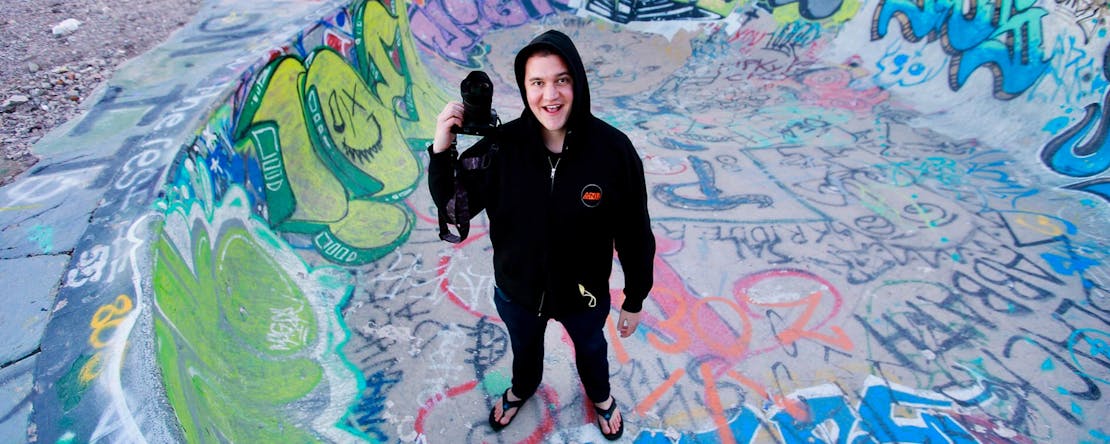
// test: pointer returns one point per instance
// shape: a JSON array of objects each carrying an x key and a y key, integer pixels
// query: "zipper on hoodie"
[{"x": 555, "y": 165}]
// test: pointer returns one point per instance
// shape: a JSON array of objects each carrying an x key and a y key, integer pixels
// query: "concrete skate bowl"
[{"x": 876, "y": 222}]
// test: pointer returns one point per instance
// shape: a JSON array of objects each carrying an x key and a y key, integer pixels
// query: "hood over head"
[{"x": 561, "y": 45}]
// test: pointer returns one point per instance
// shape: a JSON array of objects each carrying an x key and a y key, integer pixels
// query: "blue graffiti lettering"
[
  {"x": 822, "y": 410},
  {"x": 887, "y": 412},
  {"x": 1004, "y": 36},
  {"x": 1068, "y": 154},
  {"x": 1079, "y": 152},
  {"x": 367, "y": 416},
  {"x": 879, "y": 419},
  {"x": 714, "y": 199}
]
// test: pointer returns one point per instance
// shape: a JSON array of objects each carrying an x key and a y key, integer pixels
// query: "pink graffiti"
[
  {"x": 696, "y": 325},
  {"x": 672, "y": 332},
  {"x": 454, "y": 28},
  {"x": 831, "y": 88}
]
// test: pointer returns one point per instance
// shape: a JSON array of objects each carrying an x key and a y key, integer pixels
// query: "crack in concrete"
[{"x": 36, "y": 351}]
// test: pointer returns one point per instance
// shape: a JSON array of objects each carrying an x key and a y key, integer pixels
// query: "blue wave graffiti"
[
  {"x": 1003, "y": 36},
  {"x": 1083, "y": 150}
]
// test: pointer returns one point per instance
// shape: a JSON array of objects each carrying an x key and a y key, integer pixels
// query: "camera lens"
[{"x": 477, "y": 95}]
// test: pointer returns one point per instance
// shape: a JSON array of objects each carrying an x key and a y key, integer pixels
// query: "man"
[{"x": 561, "y": 189}]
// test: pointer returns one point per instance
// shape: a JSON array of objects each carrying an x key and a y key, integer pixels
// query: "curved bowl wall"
[{"x": 876, "y": 222}]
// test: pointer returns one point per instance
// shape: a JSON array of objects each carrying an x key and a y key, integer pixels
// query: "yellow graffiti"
[
  {"x": 372, "y": 224},
  {"x": 722, "y": 7},
  {"x": 91, "y": 369},
  {"x": 872, "y": 200},
  {"x": 398, "y": 79},
  {"x": 105, "y": 319},
  {"x": 321, "y": 195},
  {"x": 383, "y": 50},
  {"x": 790, "y": 13},
  {"x": 361, "y": 130},
  {"x": 1042, "y": 225},
  {"x": 108, "y": 317},
  {"x": 335, "y": 138},
  {"x": 20, "y": 208}
]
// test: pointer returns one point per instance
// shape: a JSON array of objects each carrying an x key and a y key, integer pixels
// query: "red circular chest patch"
[{"x": 591, "y": 195}]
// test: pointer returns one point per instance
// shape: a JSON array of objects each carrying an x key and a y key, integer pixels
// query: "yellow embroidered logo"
[{"x": 591, "y": 195}]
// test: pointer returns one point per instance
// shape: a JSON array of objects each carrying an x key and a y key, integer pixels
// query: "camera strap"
[{"x": 457, "y": 210}]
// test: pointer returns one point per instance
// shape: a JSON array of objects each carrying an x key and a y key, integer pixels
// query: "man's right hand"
[{"x": 451, "y": 116}]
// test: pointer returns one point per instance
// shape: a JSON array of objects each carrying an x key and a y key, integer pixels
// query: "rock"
[
  {"x": 33, "y": 67},
  {"x": 13, "y": 102},
  {"x": 67, "y": 26}
]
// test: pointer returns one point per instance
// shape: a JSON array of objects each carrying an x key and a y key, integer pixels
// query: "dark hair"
[{"x": 542, "y": 51}]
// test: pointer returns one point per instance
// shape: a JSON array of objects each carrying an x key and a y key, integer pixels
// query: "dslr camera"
[{"x": 479, "y": 118}]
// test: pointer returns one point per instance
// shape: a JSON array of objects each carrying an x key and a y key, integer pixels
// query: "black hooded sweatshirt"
[{"x": 554, "y": 233}]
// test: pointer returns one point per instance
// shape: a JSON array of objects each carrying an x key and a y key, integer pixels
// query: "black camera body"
[{"x": 479, "y": 118}]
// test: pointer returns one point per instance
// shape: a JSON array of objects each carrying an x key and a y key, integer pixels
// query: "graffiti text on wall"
[
  {"x": 328, "y": 134},
  {"x": 1004, "y": 37},
  {"x": 1083, "y": 150}
]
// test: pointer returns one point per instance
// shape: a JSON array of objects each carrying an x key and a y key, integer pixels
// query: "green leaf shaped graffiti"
[{"x": 235, "y": 336}]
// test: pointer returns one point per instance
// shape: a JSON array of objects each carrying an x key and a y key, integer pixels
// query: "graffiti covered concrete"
[{"x": 835, "y": 263}]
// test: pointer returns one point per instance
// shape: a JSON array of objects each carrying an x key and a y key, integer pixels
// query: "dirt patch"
[{"x": 54, "y": 54}]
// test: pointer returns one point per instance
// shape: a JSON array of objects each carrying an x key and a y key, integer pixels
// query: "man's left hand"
[{"x": 627, "y": 323}]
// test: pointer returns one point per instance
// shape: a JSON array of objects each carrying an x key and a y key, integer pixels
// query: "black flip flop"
[
  {"x": 607, "y": 414},
  {"x": 506, "y": 404}
]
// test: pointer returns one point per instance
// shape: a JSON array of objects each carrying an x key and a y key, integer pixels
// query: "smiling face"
[{"x": 550, "y": 90}]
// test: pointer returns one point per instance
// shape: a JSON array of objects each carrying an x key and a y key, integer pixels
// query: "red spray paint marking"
[
  {"x": 798, "y": 329},
  {"x": 438, "y": 398},
  {"x": 444, "y": 285},
  {"x": 546, "y": 395}
]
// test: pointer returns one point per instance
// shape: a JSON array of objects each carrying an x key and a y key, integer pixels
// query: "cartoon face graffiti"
[
  {"x": 353, "y": 126},
  {"x": 361, "y": 128},
  {"x": 905, "y": 65}
]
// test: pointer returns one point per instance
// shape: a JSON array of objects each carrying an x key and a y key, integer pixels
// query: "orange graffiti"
[
  {"x": 654, "y": 396},
  {"x": 618, "y": 348},
  {"x": 795, "y": 408},
  {"x": 797, "y": 330},
  {"x": 674, "y": 324},
  {"x": 713, "y": 402}
]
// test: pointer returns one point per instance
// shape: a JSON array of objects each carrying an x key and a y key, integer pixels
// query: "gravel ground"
[{"x": 55, "y": 54}]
